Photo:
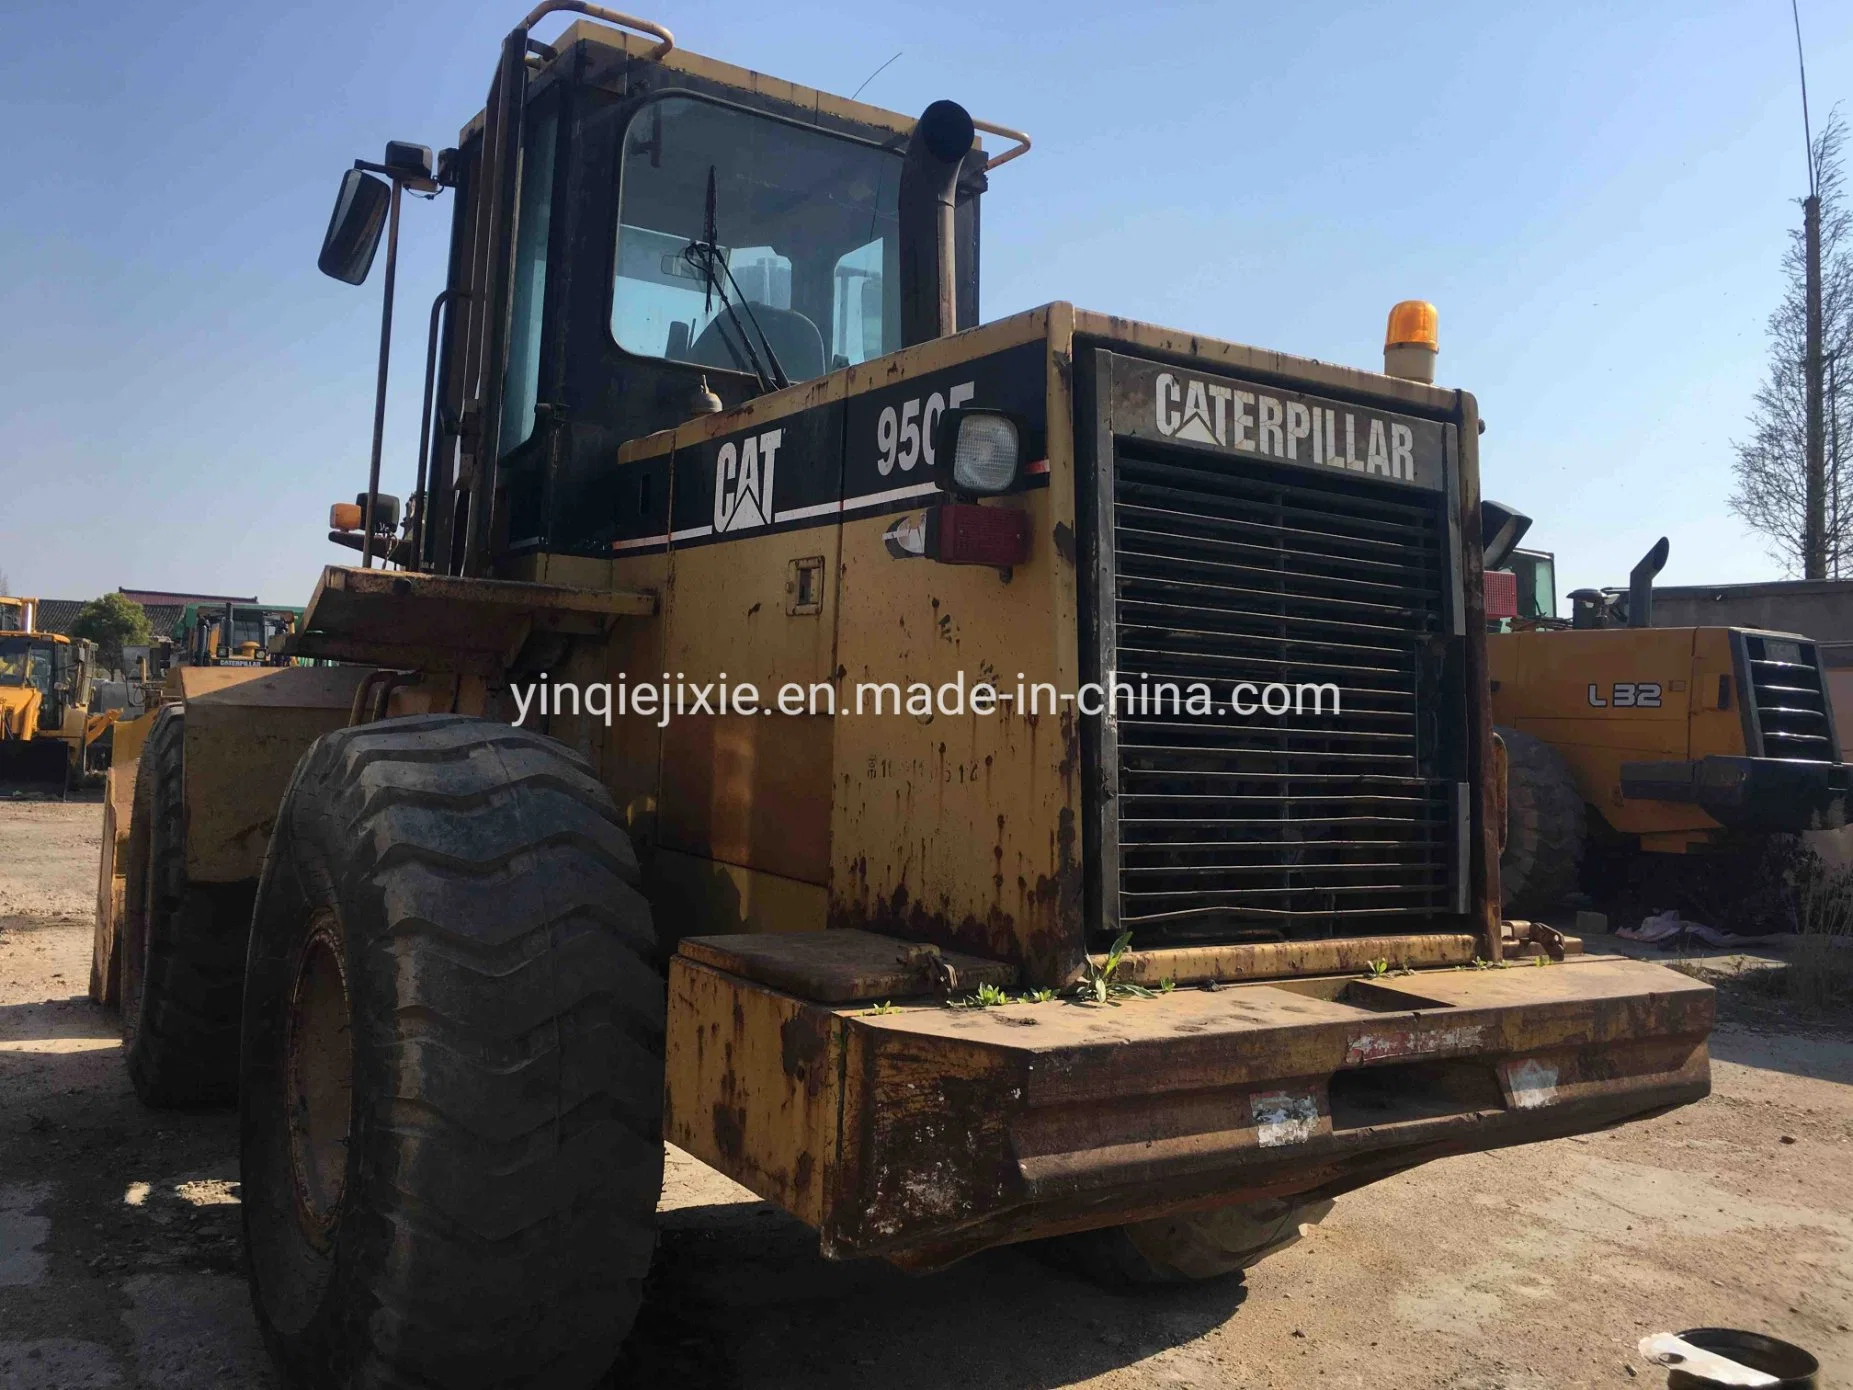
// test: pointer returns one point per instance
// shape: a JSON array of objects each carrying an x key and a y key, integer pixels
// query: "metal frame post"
[{"x": 379, "y": 393}]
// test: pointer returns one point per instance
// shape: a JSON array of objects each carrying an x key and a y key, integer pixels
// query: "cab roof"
[{"x": 679, "y": 59}]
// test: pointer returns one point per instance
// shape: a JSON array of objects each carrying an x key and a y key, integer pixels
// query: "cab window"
[
  {"x": 521, "y": 388},
  {"x": 803, "y": 227},
  {"x": 26, "y": 663}
]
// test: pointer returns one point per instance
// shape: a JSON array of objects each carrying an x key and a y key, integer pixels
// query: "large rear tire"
[
  {"x": 452, "y": 1076},
  {"x": 1187, "y": 1248},
  {"x": 1545, "y": 827},
  {"x": 183, "y": 958}
]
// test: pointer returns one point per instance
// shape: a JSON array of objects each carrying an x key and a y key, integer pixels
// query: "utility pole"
[
  {"x": 1814, "y": 490},
  {"x": 1833, "y": 454},
  {"x": 1815, "y": 556}
]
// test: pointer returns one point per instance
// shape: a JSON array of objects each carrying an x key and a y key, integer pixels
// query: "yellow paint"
[
  {"x": 751, "y": 1086},
  {"x": 126, "y": 742},
  {"x": 687, "y": 888},
  {"x": 19, "y": 711},
  {"x": 1547, "y": 683},
  {"x": 246, "y": 728}
]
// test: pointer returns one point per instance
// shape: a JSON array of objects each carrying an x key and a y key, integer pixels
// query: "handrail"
[
  {"x": 1022, "y": 145},
  {"x": 599, "y": 12}
]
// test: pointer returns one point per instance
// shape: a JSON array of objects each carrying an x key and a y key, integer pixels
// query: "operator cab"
[
  {"x": 49, "y": 665},
  {"x": 682, "y": 231},
  {"x": 27, "y": 661},
  {"x": 685, "y": 227}
]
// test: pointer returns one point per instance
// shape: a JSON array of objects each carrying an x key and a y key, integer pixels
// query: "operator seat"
[{"x": 794, "y": 338}]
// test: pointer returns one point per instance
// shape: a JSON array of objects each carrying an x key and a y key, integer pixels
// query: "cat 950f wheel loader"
[{"x": 845, "y": 739}]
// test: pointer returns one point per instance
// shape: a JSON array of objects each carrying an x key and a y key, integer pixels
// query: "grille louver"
[
  {"x": 1791, "y": 705},
  {"x": 1303, "y": 825}
]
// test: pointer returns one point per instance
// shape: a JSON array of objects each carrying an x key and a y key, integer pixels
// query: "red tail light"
[
  {"x": 964, "y": 533},
  {"x": 1501, "y": 587}
]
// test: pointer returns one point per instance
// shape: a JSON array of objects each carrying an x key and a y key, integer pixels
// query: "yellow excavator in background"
[
  {"x": 46, "y": 727},
  {"x": 1679, "y": 739},
  {"x": 17, "y": 614}
]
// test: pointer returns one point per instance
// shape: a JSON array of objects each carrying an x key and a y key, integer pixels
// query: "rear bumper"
[
  {"x": 927, "y": 1133},
  {"x": 1749, "y": 793}
]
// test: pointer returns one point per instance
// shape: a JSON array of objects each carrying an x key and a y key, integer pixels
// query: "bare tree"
[{"x": 1770, "y": 468}]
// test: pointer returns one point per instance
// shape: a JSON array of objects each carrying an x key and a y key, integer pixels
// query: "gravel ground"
[{"x": 1534, "y": 1268}]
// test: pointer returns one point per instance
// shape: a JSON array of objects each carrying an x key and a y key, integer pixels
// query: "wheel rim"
[{"x": 319, "y": 1067}]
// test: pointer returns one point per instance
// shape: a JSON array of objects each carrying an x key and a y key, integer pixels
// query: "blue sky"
[{"x": 1595, "y": 196}]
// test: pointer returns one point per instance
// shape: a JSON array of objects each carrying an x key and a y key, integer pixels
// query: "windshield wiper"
[{"x": 705, "y": 255}]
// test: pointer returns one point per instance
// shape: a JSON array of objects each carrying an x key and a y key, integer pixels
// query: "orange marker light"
[
  {"x": 1411, "y": 341},
  {"x": 1413, "y": 324}
]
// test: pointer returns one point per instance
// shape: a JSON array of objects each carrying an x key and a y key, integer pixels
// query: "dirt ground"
[{"x": 1534, "y": 1268}]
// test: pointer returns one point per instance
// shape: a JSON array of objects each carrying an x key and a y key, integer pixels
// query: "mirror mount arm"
[
  {"x": 400, "y": 176},
  {"x": 379, "y": 391}
]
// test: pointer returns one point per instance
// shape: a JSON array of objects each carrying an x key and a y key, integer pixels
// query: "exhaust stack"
[
  {"x": 929, "y": 192},
  {"x": 1641, "y": 585}
]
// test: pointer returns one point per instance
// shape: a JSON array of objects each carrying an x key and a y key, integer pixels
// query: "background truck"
[
  {"x": 1681, "y": 740},
  {"x": 710, "y": 401}
]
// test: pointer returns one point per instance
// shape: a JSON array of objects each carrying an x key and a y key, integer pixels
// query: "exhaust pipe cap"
[{"x": 947, "y": 129}]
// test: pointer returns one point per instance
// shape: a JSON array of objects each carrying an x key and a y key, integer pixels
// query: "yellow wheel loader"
[
  {"x": 46, "y": 727},
  {"x": 846, "y": 739},
  {"x": 18, "y": 614},
  {"x": 1674, "y": 741}
]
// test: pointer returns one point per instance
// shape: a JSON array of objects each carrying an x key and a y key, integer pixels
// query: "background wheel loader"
[
  {"x": 47, "y": 728},
  {"x": 1665, "y": 741},
  {"x": 231, "y": 634},
  {"x": 709, "y": 395}
]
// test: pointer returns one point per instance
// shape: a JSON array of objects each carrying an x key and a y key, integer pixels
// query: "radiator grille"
[
  {"x": 1791, "y": 706},
  {"x": 1303, "y": 825}
]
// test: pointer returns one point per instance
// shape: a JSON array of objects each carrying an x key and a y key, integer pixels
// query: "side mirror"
[
  {"x": 1501, "y": 529},
  {"x": 354, "y": 227}
]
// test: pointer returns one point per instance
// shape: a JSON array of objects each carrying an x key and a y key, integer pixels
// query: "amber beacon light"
[{"x": 1410, "y": 344}]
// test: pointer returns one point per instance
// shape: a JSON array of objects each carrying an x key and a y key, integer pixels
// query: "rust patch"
[
  {"x": 730, "y": 1130},
  {"x": 1044, "y": 939},
  {"x": 1039, "y": 927},
  {"x": 1071, "y": 756},
  {"x": 804, "y": 1048},
  {"x": 801, "y": 1173}
]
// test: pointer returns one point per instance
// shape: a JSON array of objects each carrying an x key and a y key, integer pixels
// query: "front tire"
[
  {"x": 452, "y": 1074},
  {"x": 184, "y": 950}
]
